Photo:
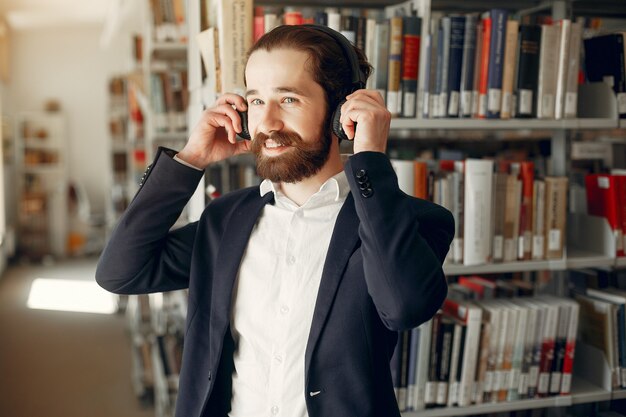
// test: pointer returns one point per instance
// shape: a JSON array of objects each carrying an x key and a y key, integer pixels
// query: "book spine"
[
  {"x": 546, "y": 87},
  {"x": 508, "y": 72},
  {"x": 562, "y": 67},
  {"x": 467, "y": 67},
  {"x": 527, "y": 176},
  {"x": 528, "y": 71},
  {"x": 412, "y": 28},
  {"x": 483, "y": 86},
  {"x": 570, "y": 107},
  {"x": 478, "y": 195},
  {"x": 457, "y": 43},
  {"x": 496, "y": 61},
  {"x": 394, "y": 66},
  {"x": 570, "y": 348},
  {"x": 556, "y": 213}
]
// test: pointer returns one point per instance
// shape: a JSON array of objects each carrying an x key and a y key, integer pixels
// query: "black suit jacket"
[{"x": 382, "y": 274}]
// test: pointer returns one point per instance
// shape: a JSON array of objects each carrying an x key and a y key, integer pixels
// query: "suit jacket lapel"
[
  {"x": 234, "y": 243},
  {"x": 344, "y": 239}
]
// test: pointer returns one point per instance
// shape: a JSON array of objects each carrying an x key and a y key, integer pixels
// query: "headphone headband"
[{"x": 358, "y": 78}]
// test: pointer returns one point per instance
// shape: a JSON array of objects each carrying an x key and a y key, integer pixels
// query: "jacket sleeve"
[
  {"x": 404, "y": 243},
  {"x": 143, "y": 255}
]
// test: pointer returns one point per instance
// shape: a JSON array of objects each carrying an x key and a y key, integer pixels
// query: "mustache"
[{"x": 282, "y": 138}]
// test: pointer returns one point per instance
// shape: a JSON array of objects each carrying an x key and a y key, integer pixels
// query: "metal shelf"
[
  {"x": 582, "y": 392},
  {"x": 498, "y": 124},
  {"x": 582, "y": 259},
  {"x": 499, "y": 268}
]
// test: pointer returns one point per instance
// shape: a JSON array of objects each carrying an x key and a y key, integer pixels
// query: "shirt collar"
[{"x": 335, "y": 189}]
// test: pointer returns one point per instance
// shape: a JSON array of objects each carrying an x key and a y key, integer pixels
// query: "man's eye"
[
  {"x": 256, "y": 101},
  {"x": 289, "y": 100}
]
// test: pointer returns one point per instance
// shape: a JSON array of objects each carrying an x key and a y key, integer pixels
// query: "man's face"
[{"x": 287, "y": 116}]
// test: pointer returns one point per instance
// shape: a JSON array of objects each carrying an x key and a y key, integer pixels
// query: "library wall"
[{"x": 76, "y": 75}]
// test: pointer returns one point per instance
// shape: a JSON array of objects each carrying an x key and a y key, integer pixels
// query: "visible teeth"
[{"x": 270, "y": 144}]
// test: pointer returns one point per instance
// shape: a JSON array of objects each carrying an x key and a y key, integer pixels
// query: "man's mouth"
[{"x": 271, "y": 144}]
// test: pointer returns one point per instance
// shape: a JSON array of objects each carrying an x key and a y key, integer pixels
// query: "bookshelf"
[
  {"x": 42, "y": 184},
  {"x": 588, "y": 246}
]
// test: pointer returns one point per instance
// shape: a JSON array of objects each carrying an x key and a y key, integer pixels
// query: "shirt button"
[
  {"x": 284, "y": 310},
  {"x": 291, "y": 260},
  {"x": 275, "y": 410}
]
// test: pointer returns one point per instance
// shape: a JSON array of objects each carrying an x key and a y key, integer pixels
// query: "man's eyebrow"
[{"x": 293, "y": 90}]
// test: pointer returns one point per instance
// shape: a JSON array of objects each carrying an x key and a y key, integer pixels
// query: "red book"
[
  {"x": 259, "y": 23},
  {"x": 620, "y": 182},
  {"x": 484, "y": 68},
  {"x": 602, "y": 200},
  {"x": 293, "y": 18},
  {"x": 527, "y": 175}
]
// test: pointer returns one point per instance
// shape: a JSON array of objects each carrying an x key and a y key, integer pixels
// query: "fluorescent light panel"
[{"x": 71, "y": 296}]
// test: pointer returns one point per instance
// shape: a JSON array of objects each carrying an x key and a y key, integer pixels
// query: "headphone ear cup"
[{"x": 336, "y": 124}]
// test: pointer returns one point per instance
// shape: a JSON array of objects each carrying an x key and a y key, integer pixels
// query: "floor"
[{"x": 61, "y": 364}]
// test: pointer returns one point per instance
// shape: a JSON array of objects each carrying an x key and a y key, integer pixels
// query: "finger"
[
  {"x": 227, "y": 110},
  {"x": 232, "y": 100},
  {"x": 225, "y": 122},
  {"x": 370, "y": 94}
]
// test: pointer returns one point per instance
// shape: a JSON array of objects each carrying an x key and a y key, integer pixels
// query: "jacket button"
[
  {"x": 361, "y": 173},
  {"x": 367, "y": 193},
  {"x": 365, "y": 186}
]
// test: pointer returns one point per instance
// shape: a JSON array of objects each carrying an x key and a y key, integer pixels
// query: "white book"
[
  {"x": 405, "y": 173},
  {"x": 562, "y": 68},
  {"x": 234, "y": 43},
  {"x": 472, "y": 316},
  {"x": 570, "y": 106},
  {"x": 519, "y": 344},
  {"x": 370, "y": 47},
  {"x": 546, "y": 88},
  {"x": 422, "y": 364},
  {"x": 478, "y": 199}
]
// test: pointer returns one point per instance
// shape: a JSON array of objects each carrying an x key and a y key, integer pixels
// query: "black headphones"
[{"x": 357, "y": 82}]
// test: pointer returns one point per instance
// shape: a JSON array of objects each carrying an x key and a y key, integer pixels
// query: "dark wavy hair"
[{"x": 327, "y": 62}]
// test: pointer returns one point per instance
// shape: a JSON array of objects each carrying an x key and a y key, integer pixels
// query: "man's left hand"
[{"x": 367, "y": 109}]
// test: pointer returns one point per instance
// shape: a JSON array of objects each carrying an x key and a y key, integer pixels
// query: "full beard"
[{"x": 303, "y": 160}]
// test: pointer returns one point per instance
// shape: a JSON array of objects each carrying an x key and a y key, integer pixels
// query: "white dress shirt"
[{"x": 274, "y": 299}]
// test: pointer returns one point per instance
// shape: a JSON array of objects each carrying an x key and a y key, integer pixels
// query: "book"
[
  {"x": 485, "y": 54},
  {"x": 556, "y": 216},
  {"x": 570, "y": 106},
  {"x": 564, "y": 26},
  {"x": 380, "y": 59},
  {"x": 604, "y": 62},
  {"x": 527, "y": 178},
  {"x": 421, "y": 371},
  {"x": 496, "y": 61},
  {"x": 478, "y": 195},
  {"x": 471, "y": 316},
  {"x": 618, "y": 299},
  {"x": 394, "y": 67},
  {"x": 411, "y": 40},
  {"x": 546, "y": 85},
  {"x": 528, "y": 71},
  {"x": 457, "y": 46},
  {"x": 603, "y": 196},
  {"x": 508, "y": 68},
  {"x": 538, "y": 229},
  {"x": 235, "y": 38},
  {"x": 597, "y": 328},
  {"x": 467, "y": 66}
]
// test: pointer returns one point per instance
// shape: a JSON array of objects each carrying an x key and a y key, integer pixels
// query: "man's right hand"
[{"x": 214, "y": 137}]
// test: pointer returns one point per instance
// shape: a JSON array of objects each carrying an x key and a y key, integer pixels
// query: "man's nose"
[{"x": 270, "y": 120}]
